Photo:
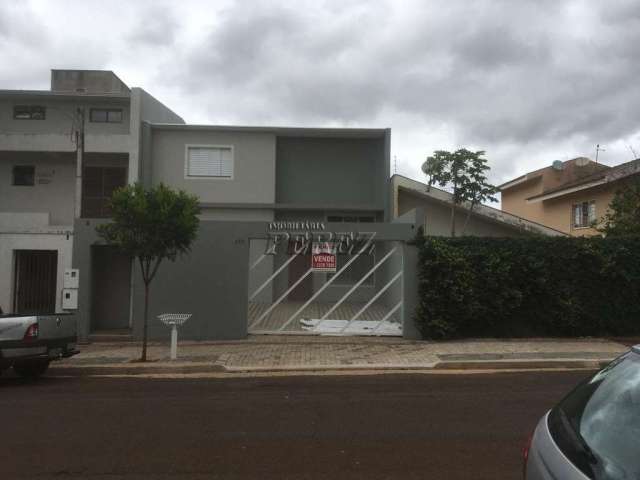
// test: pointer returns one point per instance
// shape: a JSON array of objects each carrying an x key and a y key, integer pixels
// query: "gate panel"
[{"x": 362, "y": 297}]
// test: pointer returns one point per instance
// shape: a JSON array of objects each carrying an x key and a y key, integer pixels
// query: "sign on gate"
[{"x": 323, "y": 257}]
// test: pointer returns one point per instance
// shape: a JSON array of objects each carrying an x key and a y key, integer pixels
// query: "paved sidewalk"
[{"x": 260, "y": 354}]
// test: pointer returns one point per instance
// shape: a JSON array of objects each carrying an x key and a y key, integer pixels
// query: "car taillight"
[
  {"x": 32, "y": 332},
  {"x": 525, "y": 455}
]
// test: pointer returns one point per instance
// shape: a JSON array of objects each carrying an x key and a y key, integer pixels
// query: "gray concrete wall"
[
  {"x": 145, "y": 109},
  {"x": 211, "y": 282},
  {"x": 154, "y": 111},
  {"x": 254, "y": 165},
  {"x": 53, "y": 189},
  {"x": 59, "y": 116},
  {"x": 410, "y": 292},
  {"x": 331, "y": 171},
  {"x": 87, "y": 81}
]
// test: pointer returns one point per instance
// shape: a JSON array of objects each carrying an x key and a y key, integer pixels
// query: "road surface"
[{"x": 373, "y": 426}]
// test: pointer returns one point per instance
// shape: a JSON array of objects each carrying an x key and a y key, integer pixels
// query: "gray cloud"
[
  {"x": 527, "y": 81},
  {"x": 158, "y": 28}
]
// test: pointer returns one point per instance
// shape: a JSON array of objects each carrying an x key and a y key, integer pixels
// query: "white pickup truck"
[{"x": 29, "y": 342}]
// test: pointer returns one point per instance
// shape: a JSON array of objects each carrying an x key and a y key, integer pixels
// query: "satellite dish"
[{"x": 558, "y": 165}]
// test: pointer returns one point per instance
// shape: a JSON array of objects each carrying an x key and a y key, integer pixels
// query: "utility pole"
[{"x": 79, "y": 160}]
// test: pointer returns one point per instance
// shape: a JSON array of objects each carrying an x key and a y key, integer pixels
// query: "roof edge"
[
  {"x": 312, "y": 131},
  {"x": 484, "y": 211}
]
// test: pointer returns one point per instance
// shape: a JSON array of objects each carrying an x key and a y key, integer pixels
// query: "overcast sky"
[{"x": 527, "y": 81}]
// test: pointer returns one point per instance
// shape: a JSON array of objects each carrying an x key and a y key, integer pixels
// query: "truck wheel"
[{"x": 31, "y": 368}]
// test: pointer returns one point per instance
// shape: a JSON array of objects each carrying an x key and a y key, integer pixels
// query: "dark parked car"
[{"x": 594, "y": 433}]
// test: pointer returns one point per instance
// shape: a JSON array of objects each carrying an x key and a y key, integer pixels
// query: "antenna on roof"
[
  {"x": 635, "y": 155},
  {"x": 598, "y": 150},
  {"x": 395, "y": 164}
]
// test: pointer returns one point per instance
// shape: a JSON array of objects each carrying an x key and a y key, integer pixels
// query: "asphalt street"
[{"x": 370, "y": 426}]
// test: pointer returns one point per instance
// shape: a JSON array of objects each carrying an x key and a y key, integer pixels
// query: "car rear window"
[{"x": 597, "y": 426}]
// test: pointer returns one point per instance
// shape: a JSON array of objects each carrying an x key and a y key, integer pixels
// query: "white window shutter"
[
  {"x": 210, "y": 162},
  {"x": 226, "y": 163}
]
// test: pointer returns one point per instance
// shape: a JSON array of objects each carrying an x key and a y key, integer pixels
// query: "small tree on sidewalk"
[
  {"x": 463, "y": 171},
  {"x": 151, "y": 225}
]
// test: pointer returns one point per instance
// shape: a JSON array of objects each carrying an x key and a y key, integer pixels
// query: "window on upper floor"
[
  {"x": 105, "y": 115},
  {"x": 214, "y": 161},
  {"x": 583, "y": 214},
  {"x": 98, "y": 185},
  {"x": 29, "y": 112},
  {"x": 24, "y": 175},
  {"x": 351, "y": 218}
]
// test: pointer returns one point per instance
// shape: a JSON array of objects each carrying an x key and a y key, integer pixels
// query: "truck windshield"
[{"x": 597, "y": 426}]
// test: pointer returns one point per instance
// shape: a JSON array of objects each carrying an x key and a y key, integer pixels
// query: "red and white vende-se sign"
[{"x": 323, "y": 257}]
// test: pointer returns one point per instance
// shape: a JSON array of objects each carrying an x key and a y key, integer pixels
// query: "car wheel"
[{"x": 31, "y": 368}]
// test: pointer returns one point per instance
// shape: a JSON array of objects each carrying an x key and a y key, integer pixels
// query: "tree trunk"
[
  {"x": 143, "y": 358},
  {"x": 453, "y": 219},
  {"x": 464, "y": 227}
]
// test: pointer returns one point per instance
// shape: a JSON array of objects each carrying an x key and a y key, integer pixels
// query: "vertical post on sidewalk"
[
  {"x": 174, "y": 320},
  {"x": 174, "y": 341}
]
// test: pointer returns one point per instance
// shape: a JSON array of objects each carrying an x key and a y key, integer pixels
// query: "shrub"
[{"x": 534, "y": 286}]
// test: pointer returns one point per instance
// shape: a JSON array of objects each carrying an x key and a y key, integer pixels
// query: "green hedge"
[{"x": 535, "y": 286}]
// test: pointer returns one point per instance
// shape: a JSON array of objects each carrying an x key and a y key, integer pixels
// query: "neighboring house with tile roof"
[
  {"x": 568, "y": 196},
  {"x": 431, "y": 207}
]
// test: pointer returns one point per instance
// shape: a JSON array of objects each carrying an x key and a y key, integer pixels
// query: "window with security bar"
[
  {"x": 209, "y": 162},
  {"x": 98, "y": 185},
  {"x": 584, "y": 214}
]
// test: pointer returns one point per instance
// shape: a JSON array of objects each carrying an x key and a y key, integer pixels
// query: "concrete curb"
[
  {"x": 200, "y": 368},
  {"x": 522, "y": 364}
]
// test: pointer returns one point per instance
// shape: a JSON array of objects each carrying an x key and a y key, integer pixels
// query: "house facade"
[
  {"x": 433, "y": 205},
  {"x": 49, "y": 180},
  {"x": 570, "y": 196},
  {"x": 253, "y": 183}
]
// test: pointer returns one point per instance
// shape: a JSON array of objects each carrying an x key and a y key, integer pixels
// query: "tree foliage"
[
  {"x": 151, "y": 225},
  {"x": 623, "y": 217},
  {"x": 464, "y": 172},
  {"x": 531, "y": 286}
]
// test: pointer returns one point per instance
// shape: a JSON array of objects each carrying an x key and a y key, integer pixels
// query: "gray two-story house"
[{"x": 247, "y": 179}]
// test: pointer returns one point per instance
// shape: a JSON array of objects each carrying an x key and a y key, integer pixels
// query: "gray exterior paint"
[
  {"x": 210, "y": 283},
  {"x": 317, "y": 171},
  {"x": 87, "y": 81},
  {"x": 55, "y": 197},
  {"x": 254, "y": 165},
  {"x": 279, "y": 174},
  {"x": 41, "y": 217}
]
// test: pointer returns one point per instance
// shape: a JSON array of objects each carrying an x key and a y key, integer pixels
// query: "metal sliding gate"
[{"x": 361, "y": 294}]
